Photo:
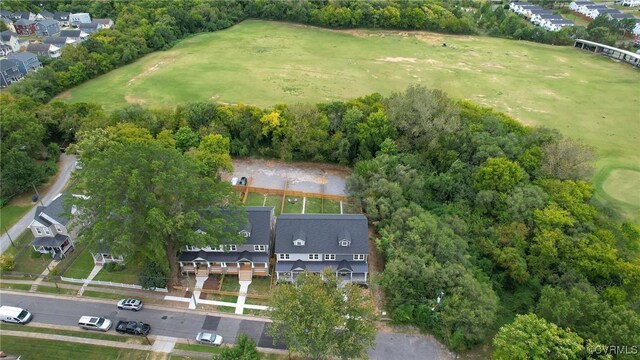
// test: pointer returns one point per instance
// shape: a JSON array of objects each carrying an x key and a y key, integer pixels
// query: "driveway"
[
  {"x": 405, "y": 346},
  {"x": 67, "y": 164},
  {"x": 301, "y": 176}
]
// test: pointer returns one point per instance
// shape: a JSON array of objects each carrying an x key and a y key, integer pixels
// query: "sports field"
[{"x": 583, "y": 95}]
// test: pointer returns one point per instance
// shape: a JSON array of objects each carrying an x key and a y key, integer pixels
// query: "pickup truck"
[{"x": 133, "y": 327}]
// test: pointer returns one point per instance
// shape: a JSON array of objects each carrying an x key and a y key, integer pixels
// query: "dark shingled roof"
[
  {"x": 10, "y": 67},
  {"x": 322, "y": 232},
  {"x": 259, "y": 225},
  {"x": 48, "y": 22},
  {"x": 103, "y": 21},
  {"x": 24, "y": 22},
  {"x": 91, "y": 25},
  {"x": 39, "y": 47},
  {"x": 70, "y": 33},
  {"x": 7, "y": 34},
  {"x": 54, "y": 241},
  {"x": 55, "y": 210},
  {"x": 23, "y": 56},
  {"x": 61, "y": 16},
  {"x": 55, "y": 40}
]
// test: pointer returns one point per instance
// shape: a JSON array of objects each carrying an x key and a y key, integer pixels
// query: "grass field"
[
  {"x": 10, "y": 214},
  {"x": 276, "y": 202},
  {"x": 127, "y": 276},
  {"x": 254, "y": 199},
  {"x": 585, "y": 96},
  {"x": 81, "y": 266},
  {"x": 31, "y": 348}
]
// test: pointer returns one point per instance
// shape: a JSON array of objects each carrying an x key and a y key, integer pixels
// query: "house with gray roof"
[
  {"x": 5, "y": 50},
  {"x": 48, "y": 50},
  {"x": 59, "y": 41},
  {"x": 62, "y": 17},
  {"x": 44, "y": 15},
  {"x": 10, "y": 38},
  {"x": 246, "y": 259},
  {"x": 28, "y": 62},
  {"x": 26, "y": 15},
  {"x": 315, "y": 242},
  {"x": 9, "y": 72},
  {"x": 49, "y": 228},
  {"x": 90, "y": 27},
  {"x": 8, "y": 23},
  {"x": 104, "y": 23},
  {"x": 77, "y": 35},
  {"x": 48, "y": 27}
]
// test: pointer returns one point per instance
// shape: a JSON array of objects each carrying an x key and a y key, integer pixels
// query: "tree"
[
  {"x": 499, "y": 174},
  {"x": 319, "y": 319},
  {"x": 244, "y": 349},
  {"x": 7, "y": 262},
  {"x": 185, "y": 139},
  {"x": 145, "y": 201},
  {"x": 530, "y": 337},
  {"x": 567, "y": 159},
  {"x": 213, "y": 155}
]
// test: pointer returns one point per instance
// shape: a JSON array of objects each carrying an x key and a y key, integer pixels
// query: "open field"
[
  {"x": 585, "y": 96},
  {"x": 10, "y": 215}
]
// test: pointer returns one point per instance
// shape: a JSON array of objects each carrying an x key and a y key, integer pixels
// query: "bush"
[
  {"x": 53, "y": 151},
  {"x": 152, "y": 277},
  {"x": 113, "y": 267},
  {"x": 7, "y": 262}
]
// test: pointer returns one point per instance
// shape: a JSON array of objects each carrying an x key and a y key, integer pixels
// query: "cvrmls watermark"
[{"x": 613, "y": 349}]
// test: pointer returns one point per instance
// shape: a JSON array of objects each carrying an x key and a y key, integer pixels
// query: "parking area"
[{"x": 306, "y": 177}]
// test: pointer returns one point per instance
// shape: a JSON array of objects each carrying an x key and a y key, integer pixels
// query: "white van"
[
  {"x": 94, "y": 323},
  {"x": 14, "y": 315}
]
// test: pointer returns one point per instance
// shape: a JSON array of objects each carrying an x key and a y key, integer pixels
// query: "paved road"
[
  {"x": 68, "y": 164},
  {"x": 186, "y": 324}
]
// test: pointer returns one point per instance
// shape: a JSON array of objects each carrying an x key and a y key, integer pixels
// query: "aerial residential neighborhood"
[{"x": 339, "y": 179}]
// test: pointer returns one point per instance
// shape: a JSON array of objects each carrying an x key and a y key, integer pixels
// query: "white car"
[
  {"x": 209, "y": 338},
  {"x": 234, "y": 181},
  {"x": 130, "y": 304}
]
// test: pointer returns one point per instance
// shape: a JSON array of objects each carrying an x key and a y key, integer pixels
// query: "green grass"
[
  {"x": 79, "y": 333},
  {"x": 54, "y": 290},
  {"x": 230, "y": 283},
  {"x": 254, "y": 199},
  {"x": 81, "y": 265},
  {"x": 30, "y": 348},
  {"x": 28, "y": 260},
  {"x": 127, "y": 276},
  {"x": 313, "y": 206},
  {"x": 10, "y": 214},
  {"x": 583, "y": 95},
  {"x": 293, "y": 208},
  {"x": 9, "y": 286},
  {"x": 276, "y": 202},
  {"x": 260, "y": 285},
  {"x": 331, "y": 207},
  {"x": 105, "y": 295},
  {"x": 200, "y": 348}
]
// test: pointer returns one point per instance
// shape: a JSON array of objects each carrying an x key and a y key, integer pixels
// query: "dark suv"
[{"x": 133, "y": 327}]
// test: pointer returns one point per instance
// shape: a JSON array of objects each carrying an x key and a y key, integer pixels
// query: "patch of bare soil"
[
  {"x": 64, "y": 95},
  {"x": 398, "y": 59},
  {"x": 150, "y": 70},
  {"x": 492, "y": 65},
  {"x": 133, "y": 100},
  {"x": 558, "y": 76},
  {"x": 429, "y": 38}
]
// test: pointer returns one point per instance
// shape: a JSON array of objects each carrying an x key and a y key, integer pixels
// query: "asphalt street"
[
  {"x": 68, "y": 164},
  {"x": 187, "y": 323}
]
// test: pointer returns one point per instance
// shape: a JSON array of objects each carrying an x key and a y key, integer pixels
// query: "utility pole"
[
  {"x": 9, "y": 236},
  {"x": 36, "y": 190}
]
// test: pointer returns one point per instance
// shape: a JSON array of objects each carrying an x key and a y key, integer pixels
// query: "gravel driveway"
[{"x": 307, "y": 177}]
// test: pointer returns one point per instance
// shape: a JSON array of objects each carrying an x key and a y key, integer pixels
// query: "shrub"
[
  {"x": 113, "y": 267},
  {"x": 152, "y": 277},
  {"x": 7, "y": 262}
]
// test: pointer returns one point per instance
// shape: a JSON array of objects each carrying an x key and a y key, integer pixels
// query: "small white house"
[
  {"x": 597, "y": 12},
  {"x": 576, "y": 5},
  {"x": 79, "y": 18},
  {"x": 556, "y": 25}
]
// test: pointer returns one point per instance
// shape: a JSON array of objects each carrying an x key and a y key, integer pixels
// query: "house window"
[
  {"x": 344, "y": 243},
  {"x": 245, "y": 233},
  {"x": 298, "y": 242},
  {"x": 233, "y": 248},
  {"x": 259, "y": 248},
  {"x": 329, "y": 256},
  {"x": 192, "y": 248},
  {"x": 314, "y": 256},
  {"x": 38, "y": 231},
  {"x": 46, "y": 231},
  {"x": 217, "y": 248},
  {"x": 59, "y": 228},
  {"x": 284, "y": 256},
  {"x": 358, "y": 257}
]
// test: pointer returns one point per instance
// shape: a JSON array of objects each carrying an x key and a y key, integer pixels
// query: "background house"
[
  {"x": 44, "y": 15},
  {"x": 59, "y": 41},
  {"x": 25, "y": 27},
  {"x": 8, "y": 23},
  {"x": 9, "y": 38},
  {"x": 5, "y": 50},
  {"x": 62, "y": 18},
  {"x": 47, "y": 27},
  {"x": 251, "y": 257},
  {"x": 49, "y": 228},
  {"x": 313, "y": 243},
  {"x": 79, "y": 18},
  {"x": 89, "y": 28},
  {"x": 9, "y": 72},
  {"x": 26, "y": 15},
  {"x": 104, "y": 23},
  {"x": 77, "y": 35},
  {"x": 48, "y": 50},
  {"x": 27, "y": 62}
]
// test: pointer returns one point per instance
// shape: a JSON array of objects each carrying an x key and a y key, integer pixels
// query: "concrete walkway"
[
  {"x": 244, "y": 286},
  {"x": 92, "y": 274},
  {"x": 196, "y": 291},
  {"x": 52, "y": 265},
  {"x": 164, "y": 344}
]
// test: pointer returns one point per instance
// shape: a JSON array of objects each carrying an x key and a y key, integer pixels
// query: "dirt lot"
[{"x": 307, "y": 177}]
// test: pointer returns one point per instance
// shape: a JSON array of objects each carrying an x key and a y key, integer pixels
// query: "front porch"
[
  {"x": 58, "y": 247},
  {"x": 105, "y": 258},
  {"x": 231, "y": 268},
  {"x": 345, "y": 278}
]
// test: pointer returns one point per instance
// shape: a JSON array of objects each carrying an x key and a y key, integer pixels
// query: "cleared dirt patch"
[{"x": 398, "y": 59}]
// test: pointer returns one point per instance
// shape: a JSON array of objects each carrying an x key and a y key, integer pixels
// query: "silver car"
[
  {"x": 209, "y": 338},
  {"x": 130, "y": 304}
]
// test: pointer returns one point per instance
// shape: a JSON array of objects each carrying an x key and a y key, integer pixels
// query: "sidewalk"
[
  {"x": 92, "y": 274},
  {"x": 52, "y": 265},
  {"x": 79, "y": 340}
]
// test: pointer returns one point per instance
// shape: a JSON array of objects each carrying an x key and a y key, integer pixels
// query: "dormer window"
[
  {"x": 345, "y": 243},
  {"x": 344, "y": 238},
  {"x": 299, "y": 238},
  {"x": 298, "y": 242},
  {"x": 245, "y": 233},
  {"x": 38, "y": 231}
]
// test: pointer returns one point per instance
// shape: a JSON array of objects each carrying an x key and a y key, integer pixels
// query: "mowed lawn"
[{"x": 583, "y": 95}]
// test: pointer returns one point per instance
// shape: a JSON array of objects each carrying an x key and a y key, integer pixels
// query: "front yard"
[
  {"x": 129, "y": 275},
  {"x": 78, "y": 266},
  {"x": 27, "y": 260}
]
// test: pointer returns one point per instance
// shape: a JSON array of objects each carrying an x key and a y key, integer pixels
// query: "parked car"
[
  {"x": 130, "y": 304},
  {"x": 15, "y": 315},
  {"x": 243, "y": 181},
  {"x": 234, "y": 181},
  {"x": 133, "y": 327},
  {"x": 94, "y": 323},
  {"x": 209, "y": 338}
]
